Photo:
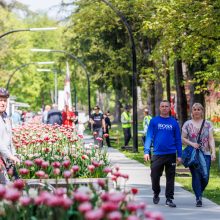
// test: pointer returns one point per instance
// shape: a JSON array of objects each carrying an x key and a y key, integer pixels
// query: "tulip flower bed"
[
  {"x": 57, "y": 152},
  {"x": 94, "y": 202}
]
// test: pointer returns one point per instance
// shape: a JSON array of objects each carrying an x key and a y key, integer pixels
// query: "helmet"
[{"x": 4, "y": 93}]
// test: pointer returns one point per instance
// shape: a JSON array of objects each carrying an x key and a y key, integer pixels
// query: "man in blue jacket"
[{"x": 164, "y": 133}]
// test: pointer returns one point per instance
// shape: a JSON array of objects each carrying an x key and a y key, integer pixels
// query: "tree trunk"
[
  {"x": 117, "y": 112},
  {"x": 167, "y": 75},
  {"x": 181, "y": 95},
  {"x": 151, "y": 98},
  {"x": 195, "y": 97}
]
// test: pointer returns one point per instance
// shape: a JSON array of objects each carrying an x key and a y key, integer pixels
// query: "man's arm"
[
  {"x": 178, "y": 142},
  {"x": 148, "y": 141}
]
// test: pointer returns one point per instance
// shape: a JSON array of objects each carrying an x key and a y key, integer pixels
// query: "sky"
[{"x": 40, "y": 4}]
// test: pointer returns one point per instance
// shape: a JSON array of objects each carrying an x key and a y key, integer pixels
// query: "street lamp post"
[
  {"x": 134, "y": 76},
  {"x": 22, "y": 66},
  {"x": 28, "y": 29},
  {"x": 79, "y": 61}
]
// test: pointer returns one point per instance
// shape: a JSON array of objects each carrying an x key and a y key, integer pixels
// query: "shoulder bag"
[{"x": 189, "y": 154}]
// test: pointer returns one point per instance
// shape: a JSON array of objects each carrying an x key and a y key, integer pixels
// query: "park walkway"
[{"x": 139, "y": 177}]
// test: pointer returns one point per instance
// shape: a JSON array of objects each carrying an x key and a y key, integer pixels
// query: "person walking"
[
  {"x": 45, "y": 114},
  {"x": 146, "y": 122},
  {"x": 190, "y": 133},
  {"x": 7, "y": 150},
  {"x": 98, "y": 126},
  {"x": 164, "y": 133},
  {"x": 126, "y": 125},
  {"x": 54, "y": 116},
  {"x": 67, "y": 117},
  {"x": 108, "y": 126}
]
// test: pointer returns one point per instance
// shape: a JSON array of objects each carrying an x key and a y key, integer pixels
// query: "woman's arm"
[
  {"x": 212, "y": 145},
  {"x": 186, "y": 141}
]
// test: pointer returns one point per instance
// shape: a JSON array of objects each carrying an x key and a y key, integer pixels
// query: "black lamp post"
[
  {"x": 28, "y": 29},
  {"x": 79, "y": 61},
  {"x": 134, "y": 76}
]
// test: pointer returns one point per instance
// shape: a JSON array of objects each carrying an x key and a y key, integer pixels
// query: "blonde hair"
[{"x": 198, "y": 105}]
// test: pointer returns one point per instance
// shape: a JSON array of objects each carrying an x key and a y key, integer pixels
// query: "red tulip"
[
  {"x": 38, "y": 161},
  {"x": 56, "y": 164},
  {"x": 66, "y": 163},
  {"x": 19, "y": 184},
  {"x": 134, "y": 191}
]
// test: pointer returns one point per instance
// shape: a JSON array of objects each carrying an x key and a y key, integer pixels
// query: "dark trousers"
[
  {"x": 198, "y": 182},
  {"x": 107, "y": 138},
  {"x": 127, "y": 135},
  {"x": 158, "y": 163}
]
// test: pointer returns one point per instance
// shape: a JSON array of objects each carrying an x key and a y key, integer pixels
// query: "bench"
[{"x": 184, "y": 172}]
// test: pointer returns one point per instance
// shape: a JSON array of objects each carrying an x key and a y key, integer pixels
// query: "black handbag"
[{"x": 190, "y": 154}]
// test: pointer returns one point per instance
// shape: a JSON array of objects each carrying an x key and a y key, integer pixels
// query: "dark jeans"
[
  {"x": 158, "y": 163},
  {"x": 99, "y": 134},
  {"x": 198, "y": 182},
  {"x": 107, "y": 138},
  {"x": 127, "y": 135}
]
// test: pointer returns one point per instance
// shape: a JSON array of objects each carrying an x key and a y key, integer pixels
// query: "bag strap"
[{"x": 200, "y": 131}]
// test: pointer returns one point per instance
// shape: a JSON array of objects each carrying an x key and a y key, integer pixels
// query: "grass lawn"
[{"x": 212, "y": 191}]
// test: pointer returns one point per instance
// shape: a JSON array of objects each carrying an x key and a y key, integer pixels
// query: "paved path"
[{"x": 139, "y": 177}]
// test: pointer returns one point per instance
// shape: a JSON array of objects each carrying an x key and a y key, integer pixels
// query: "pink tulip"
[
  {"x": 154, "y": 215},
  {"x": 132, "y": 207},
  {"x": 38, "y": 161},
  {"x": 25, "y": 201},
  {"x": 66, "y": 164},
  {"x": 28, "y": 163},
  {"x": 66, "y": 203},
  {"x": 85, "y": 207},
  {"x": 105, "y": 135},
  {"x": 60, "y": 191},
  {"x": 56, "y": 164},
  {"x": 81, "y": 197},
  {"x": 56, "y": 171},
  {"x": 109, "y": 206},
  {"x": 132, "y": 217},
  {"x": 95, "y": 163},
  {"x": 96, "y": 214},
  {"x": 91, "y": 168},
  {"x": 101, "y": 182},
  {"x": 12, "y": 195},
  {"x": 75, "y": 168},
  {"x": 40, "y": 174},
  {"x": 45, "y": 164},
  {"x": 67, "y": 174},
  {"x": 116, "y": 197},
  {"x": 116, "y": 215},
  {"x": 107, "y": 170},
  {"x": 19, "y": 184},
  {"x": 23, "y": 171}
]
